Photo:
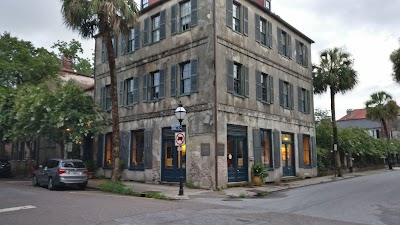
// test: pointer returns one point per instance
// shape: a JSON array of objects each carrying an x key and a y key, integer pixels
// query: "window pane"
[
  {"x": 137, "y": 149},
  {"x": 185, "y": 78},
  {"x": 306, "y": 147},
  {"x": 185, "y": 15},
  {"x": 266, "y": 148}
]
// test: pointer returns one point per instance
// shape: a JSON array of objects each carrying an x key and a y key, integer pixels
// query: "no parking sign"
[{"x": 180, "y": 138}]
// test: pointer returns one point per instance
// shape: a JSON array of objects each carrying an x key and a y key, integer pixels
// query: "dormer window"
[{"x": 268, "y": 4}]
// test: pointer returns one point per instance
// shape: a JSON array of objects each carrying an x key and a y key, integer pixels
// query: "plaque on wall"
[
  {"x": 220, "y": 149},
  {"x": 205, "y": 149}
]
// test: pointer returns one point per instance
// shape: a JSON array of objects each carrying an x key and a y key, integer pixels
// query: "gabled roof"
[{"x": 356, "y": 114}]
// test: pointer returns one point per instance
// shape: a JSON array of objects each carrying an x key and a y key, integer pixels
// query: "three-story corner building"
[{"x": 242, "y": 73}]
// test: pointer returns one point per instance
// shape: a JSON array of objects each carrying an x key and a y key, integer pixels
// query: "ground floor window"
[
  {"x": 137, "y": 149},
  {"x": 266, "y": 158},
  {"x": 107, "y": 156},
  {"x": 307, "y": 152}
]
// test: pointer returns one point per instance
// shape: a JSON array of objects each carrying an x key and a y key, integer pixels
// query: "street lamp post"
[{"x": 180, "y": 114}]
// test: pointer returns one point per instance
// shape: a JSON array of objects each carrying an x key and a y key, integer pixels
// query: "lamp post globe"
[{"x": 180, "y": 113}]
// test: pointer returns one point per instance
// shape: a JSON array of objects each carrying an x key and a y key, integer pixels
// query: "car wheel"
[
  {"x": 35, "y": 183},
  {"x": 50, "y": 184},
  {"x": 82, "y": 186}
]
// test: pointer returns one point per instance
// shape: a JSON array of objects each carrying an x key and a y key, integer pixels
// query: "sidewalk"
[{"x": 171, "y": 191}]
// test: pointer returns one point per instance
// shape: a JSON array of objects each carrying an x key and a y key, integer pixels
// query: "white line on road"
[{"x": 17, "y": 208}]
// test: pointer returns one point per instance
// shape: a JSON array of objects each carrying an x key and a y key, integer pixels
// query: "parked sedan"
[
  {"x": 61, "y": 172},
  {"x": 5, "y": 167}
]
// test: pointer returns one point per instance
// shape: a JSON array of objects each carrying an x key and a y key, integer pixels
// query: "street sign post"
[{"x": 180, "y": 138}]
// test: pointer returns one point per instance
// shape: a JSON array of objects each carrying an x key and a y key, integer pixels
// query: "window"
[
  {"x": 145, "y": 3},
  {"x": 185, "y": 78},
  {"x": 266, "y": 148},
  {"x": 263, "y": 32},
  {"x": 236, "y": 17},
  {"x": 155, "y": 21},
  {"x": 107, "y": 156},
  {"x": 103, "y": 52},
  {"x": 284, "y": 43},
  {"x": 129, "y": 91},
  {"x": 307, "y": 152},
  {"x": 108, "y": 97},
  {"x": 131, "y": 40},
  {"x": 264, "y": 89},
  {"x": 301, "y": 53},
  {"x": 238, "y": 78},
  {"x": 155, "y": 85},
  {"x": 137, "y": 149},
  {"x": 286, "y": 94},
  {"x": 114, "y": 41},
  {"x": 185, "y": 15},
  {"x": 304, "y": 100},
  {"x": 268, "y": 4}
]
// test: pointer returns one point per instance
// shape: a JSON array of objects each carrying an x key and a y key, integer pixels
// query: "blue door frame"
[
  {"x": 237, "y": 154},
  {"x": 288, "y": 156},
  {"x": 170, "y": 171}
]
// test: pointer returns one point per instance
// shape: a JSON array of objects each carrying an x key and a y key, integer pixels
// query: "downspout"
[{"x": 215, "y": 95}]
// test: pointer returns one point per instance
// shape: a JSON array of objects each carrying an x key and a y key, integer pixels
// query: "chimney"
[
  {"x": 350, "y": 113},
  {"x": 67, "y": 63}
]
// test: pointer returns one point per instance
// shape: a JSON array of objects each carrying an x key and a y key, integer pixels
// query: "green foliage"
[
  {"x": 122, "y": 165},
  {"x": 259, "y": 170},
  {"x": 91, "y": 165},
  {"x": 72, "y": 50},
  {"x": 321, "y": 115},
  {"x": 155, "y": 195},
  {"x": 22, "y": 63},
  {"x": 395, "y": 58},
  {"x": 263, "y": 194},
  {"x": 118, "y": 188},
  {"x": 7, "y": 98},
  {"x": 242, "y": 195},
  {"x": 191, "y": 185}
]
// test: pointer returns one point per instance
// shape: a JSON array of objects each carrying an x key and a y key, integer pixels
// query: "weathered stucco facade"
[{"x": 225, "y": 113}]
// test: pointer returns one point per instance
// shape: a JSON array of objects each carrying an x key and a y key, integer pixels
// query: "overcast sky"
[{"x": 368, "y": 29}]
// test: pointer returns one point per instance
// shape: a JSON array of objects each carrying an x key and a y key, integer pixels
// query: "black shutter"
[
  {"x": 291, "y": 96},
  {"x": 298, "y": 59},
  {"x": 277, "y": 149},
  {"x": 162, "y": 25},
  {"x": 270, "y": 40},
  {"x": 145, "y": 83},
  {"x": 308, "y": 102},
  {"x": 281, "y": 100},
  {"x": 229, "y": 64},
  {"x": 137, "y": 36},
  {"x": 306, "y": 55},
  {"x": 146, "y": 32},
  {"x": 258, "y": 86},
  {"x": 289, "y": 46},
  {"x": 162, "y": 84},
  {"x": 280, "y": 46},
  {"x": 100, "y": 147},
  {"x": 229, "y": 9},
  {"x": 299, "y": 99},
  {"x": 314, "y": 151},
  {"x": 194, "y": 76},
  {"x": 121, "y": 94},
  {"x": 246, "y": 81},
  {"x": 148, "y": 153},
  {"x": 173, "y": 19},
  {"x": 136, "y": 90},
  {"x": 193, "y": 18},
  {"x": 173, "y": 80},
  {"x": 123, "y": 155},
  {"x": 102, "y": 106},
  {"x": 271, "y": 89},
  {"x": 245, "y": 21},
  {"x": 257, "y": 27},
  {"x": 300, "y": 149},
  {"x": 257, "y": 145}
]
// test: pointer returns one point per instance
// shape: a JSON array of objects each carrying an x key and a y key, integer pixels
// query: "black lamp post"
[{"x": 180, "y": 114}]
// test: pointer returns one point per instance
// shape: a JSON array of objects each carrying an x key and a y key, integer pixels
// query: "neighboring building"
[
  {"x": 358, "y": 118},
  {"x": 244, "y": 78}
]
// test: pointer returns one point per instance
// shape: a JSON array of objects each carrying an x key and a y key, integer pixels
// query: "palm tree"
[
  {"x": 105, "y": 18},
  {"x": 395, "y": 58},
  {"x": 382, "y": 108},
  {"x": 336, "y": 72}
]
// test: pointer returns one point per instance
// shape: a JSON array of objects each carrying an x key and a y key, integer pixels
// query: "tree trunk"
[
  {"x": 389, "y": 155},
  {"x": 335, "y": 135},
  {"x": 114, "y": 100}
]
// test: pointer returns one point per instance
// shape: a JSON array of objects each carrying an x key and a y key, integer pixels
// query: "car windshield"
[{"x": 73, "y": 164}]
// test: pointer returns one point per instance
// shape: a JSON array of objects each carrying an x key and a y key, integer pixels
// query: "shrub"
[
  {"x": 118, "y": 188},
  {"x": 259, "y": 170}
]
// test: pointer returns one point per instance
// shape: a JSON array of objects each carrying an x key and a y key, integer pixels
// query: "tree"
[
  {"x": 381, "y": 107},
  {"x": 335, "y": 72},
  {"x": 21, "y": 62},
  {"x": 107, "y": 18},
  {"x": 71, "y": 51},
  {"x": 395, "y": 58},
  {"x": 7, "y": 95}
]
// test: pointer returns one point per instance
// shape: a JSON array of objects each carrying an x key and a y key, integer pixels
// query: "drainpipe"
[{"x": 215, "y": 95}]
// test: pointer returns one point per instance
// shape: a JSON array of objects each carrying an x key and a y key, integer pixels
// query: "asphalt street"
[{"x": 370, "y": 199}]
